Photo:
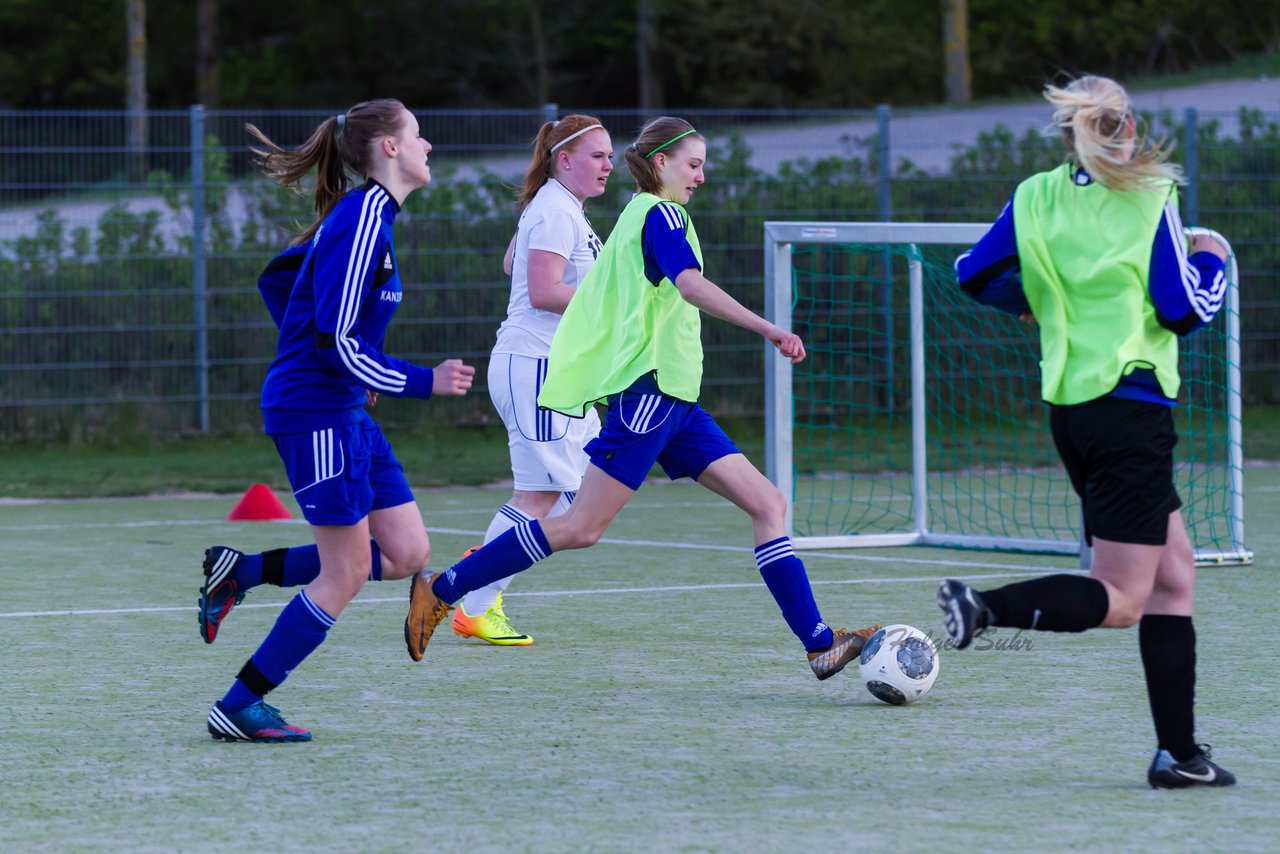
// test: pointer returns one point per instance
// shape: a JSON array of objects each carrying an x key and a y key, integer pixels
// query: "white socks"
[{"x": 477, "y": 602}]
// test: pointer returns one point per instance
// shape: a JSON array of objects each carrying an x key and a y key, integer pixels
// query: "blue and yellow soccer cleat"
[
  {"x": 220, "y": 592},
  {"x": 259, "y": 722},
  {"x": 490, "y": 627}
]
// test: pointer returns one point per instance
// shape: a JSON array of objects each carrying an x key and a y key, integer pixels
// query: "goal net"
[{"x": 917, "y": 418}]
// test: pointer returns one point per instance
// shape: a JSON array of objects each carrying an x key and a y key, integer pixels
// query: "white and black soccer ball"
[{"x": 899, "y": 664}]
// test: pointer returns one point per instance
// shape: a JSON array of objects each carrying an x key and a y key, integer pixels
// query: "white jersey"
[{"x": 552, "y": 222}]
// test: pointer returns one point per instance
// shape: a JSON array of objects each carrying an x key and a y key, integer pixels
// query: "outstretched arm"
[
  {"x": 706, "y": 295},
  {"x": 669, "y": 256}
]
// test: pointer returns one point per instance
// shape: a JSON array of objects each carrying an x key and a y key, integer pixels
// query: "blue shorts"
[
  {"x": 340, "y": 474},
  {"x": 645, "y": 426}
]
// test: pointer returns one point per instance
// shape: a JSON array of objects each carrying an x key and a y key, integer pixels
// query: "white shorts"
[{"x": 546, "y": 447}]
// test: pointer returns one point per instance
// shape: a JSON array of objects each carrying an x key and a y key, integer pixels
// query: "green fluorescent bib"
[
  {"x": 1085, "y": 254},
  {"x": 619, "y": 326}
]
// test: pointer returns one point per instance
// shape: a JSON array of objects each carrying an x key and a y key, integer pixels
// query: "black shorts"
[{"x": 1119, "y": 456}]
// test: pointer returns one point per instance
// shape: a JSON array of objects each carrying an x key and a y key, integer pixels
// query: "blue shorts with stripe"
[
  {"x": 340, "y": 474},
  {"x": 644, "y": 426}
]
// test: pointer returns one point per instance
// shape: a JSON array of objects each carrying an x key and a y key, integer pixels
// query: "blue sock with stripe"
[
  {"x": 512, "y": 552},
  {"x": 293, "y": 567},
  {"x": 784, "y": 575},
  {"x": 301, "y": 627}
]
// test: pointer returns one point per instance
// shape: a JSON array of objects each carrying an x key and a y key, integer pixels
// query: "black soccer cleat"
[
  {"x": 964, "y": 614},
  {"x": 1165, "y": 773}
]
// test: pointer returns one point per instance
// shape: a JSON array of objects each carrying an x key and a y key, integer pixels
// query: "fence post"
[
  {"x": 883, "y": 158},
  {"x": 550, "y": 112},
  {"x": 885, "y": 300},
  {"x": 199, "y": 270},
  {"x": 1191, "y": 140}
]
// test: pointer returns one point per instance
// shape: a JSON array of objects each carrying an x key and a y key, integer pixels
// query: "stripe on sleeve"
[
  {"x": 672, "y": 215},
  {"x": 364, "y": 368}
]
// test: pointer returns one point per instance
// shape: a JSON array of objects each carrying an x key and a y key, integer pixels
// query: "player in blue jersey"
[
  {"x": 552, "y": 251},
  {"x": 1094, "y": 253},
  {"x": 631, "y": 336},
  {"x": 333, "y": 316}
]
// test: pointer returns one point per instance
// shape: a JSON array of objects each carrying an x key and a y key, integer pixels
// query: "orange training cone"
[{"x": 259, "y": 504}]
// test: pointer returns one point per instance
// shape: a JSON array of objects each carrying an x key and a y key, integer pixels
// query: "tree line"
[{"x": 600, "y": 53}]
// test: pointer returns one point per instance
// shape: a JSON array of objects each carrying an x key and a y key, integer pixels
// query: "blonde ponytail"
[{"x": 1094, "y": 114}]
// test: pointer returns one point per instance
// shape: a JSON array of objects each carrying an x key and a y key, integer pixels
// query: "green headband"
[{"x": 668, "y": 142}]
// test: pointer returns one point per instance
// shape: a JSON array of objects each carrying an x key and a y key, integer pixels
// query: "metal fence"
[{"x": 128, "y": 296}]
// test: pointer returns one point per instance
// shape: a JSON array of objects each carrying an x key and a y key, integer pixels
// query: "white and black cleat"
[
  {"x": 1165, "y": 773},
  {"x": 964, "y": 614}
]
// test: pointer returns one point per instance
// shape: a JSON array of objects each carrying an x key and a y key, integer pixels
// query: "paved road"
[{"x": 929, "y": 138}]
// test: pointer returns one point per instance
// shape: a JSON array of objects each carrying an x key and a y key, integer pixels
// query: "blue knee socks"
[
  {"x": 293, "y": 567},
  {"x": 299, "y": 630},
  {"x": 514, "y": 551},
  {"x": 786, "y": 579}
]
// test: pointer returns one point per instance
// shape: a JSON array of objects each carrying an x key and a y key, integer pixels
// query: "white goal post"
[{"x": 916, "y": 419}]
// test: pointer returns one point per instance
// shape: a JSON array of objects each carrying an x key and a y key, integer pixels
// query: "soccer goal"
[{"x": 917, "y": 417}]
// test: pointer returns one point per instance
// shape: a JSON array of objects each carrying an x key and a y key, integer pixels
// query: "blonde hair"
[
  {"x": 550, "y": 136},
  {"x": 1094, "y": 114},
  {"x": 340, "y": 146},
  {"x": 664, "y": 133}
]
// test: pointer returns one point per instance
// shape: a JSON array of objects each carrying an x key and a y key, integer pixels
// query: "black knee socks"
[
  {"x": 1054, "y": 603},
  {"x": 1074, "y": 603},
  {"x": 1168, "y": 646}
]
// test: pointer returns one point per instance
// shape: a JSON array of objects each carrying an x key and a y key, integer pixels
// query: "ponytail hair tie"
[{"x": 342, "y": 120}]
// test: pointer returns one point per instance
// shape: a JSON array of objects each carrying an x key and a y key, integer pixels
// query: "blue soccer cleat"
[
  {"x": 259, "y": 723},
  {"x": 220, "y": 592}
]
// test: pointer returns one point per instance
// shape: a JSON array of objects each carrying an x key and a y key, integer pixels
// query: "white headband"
[{"x": 571, "y": 137}]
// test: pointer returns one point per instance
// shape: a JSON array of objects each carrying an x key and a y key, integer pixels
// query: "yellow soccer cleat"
[{"x": 490, "y": 627}]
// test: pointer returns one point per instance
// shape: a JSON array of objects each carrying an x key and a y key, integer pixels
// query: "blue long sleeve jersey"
[
  {"x": 665, "y": 243},
  {"x": 1186, "y": 291},
  {"x": 333, "y": 319}
]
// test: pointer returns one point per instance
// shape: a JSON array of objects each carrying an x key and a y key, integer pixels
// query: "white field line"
[
  {"x": 604, "y": 591},
  {"x": 1003, "y": 571},
  {"x": 428, "y": 513},
  {"x": 852, "y": 554}
]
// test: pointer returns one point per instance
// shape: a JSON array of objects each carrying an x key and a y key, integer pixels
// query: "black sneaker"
[
  {"x": 220, "y": 592},
  {"x": 1165, "y": 773},
  {"x": 965, "y": 615}
]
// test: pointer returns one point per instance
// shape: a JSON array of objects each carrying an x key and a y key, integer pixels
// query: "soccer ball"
[{"x": 899, "y": 664}]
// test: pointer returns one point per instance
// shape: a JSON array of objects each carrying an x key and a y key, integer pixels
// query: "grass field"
[{"x": 664, "y": 707}]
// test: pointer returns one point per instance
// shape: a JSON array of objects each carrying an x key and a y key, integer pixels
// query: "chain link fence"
[{"x": 130, "y": 244}]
